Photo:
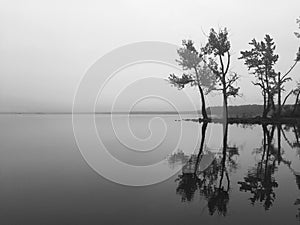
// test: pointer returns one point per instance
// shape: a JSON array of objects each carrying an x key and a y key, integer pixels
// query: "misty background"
[{"x": 47, "y": 46}]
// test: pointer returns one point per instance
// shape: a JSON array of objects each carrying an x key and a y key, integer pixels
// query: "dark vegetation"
[{"x": 252, "y": 114}]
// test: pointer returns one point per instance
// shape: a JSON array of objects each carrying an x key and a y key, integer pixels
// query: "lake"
[{"x": 45, "y": 178}]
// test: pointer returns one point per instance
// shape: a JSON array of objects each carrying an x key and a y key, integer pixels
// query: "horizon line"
[{"x": 132, "y": 112}]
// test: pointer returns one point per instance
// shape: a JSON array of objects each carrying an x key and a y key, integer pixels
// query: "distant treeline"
[
  {"x": 238, "y": 111},
  {"x": 247, "y": 111}
]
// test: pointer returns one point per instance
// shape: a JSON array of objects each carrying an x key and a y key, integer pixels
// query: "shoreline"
[{"x": 250, "y": 121}]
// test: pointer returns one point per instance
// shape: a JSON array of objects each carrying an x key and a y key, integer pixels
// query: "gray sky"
[{"x": 47, "y": 46}]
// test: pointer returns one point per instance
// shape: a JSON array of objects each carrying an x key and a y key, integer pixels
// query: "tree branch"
[
  {"x": 286, "y": 97},
  {"x": 292, "y": 67}
]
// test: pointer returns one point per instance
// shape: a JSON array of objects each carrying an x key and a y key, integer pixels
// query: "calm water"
[{"x": 45, "y": 180}]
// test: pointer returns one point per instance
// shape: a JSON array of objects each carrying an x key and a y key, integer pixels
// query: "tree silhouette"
[
  {"x": 296, "y": 130},
  {"x": 204, "y": 127},
  {"x": 217, "y": 52},
  {"x": 189, "y": 182},
  {"x": 260, "y": 181},
  {"x": 210, "y": 181},
  {"x": 297, "y": 89},
  {"x": 196, "y": 73},
  {"x": 187, "y": 186},
  {"x": 260, "y": 60},
  {"x": 294, "y": 144}
]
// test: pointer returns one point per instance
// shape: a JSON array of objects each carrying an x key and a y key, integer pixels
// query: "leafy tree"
[
  {"x": 196, "y": 73},
  {"x": 260, "y": 60},
  {"x": 217, "y": 52}
]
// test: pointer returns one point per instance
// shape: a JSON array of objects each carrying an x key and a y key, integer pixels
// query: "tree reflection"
[
  {"x": 177, "y": 158},
  {"x": 297, "y": 202},
  {"x": 294, "y": 144},
  {"x": 208, "y": 176},
  {"x": 260, "y": 180}
]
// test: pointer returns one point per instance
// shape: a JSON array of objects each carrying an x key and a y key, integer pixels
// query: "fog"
[{"x": 46, "y": 47}]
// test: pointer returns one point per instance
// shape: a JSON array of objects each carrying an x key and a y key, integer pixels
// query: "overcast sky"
[{"x": 47, "y": 46}]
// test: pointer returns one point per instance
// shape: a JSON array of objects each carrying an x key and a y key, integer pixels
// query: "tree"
[
  {"x": 280, "y": 87},
  {"x": 296, "y": 92},
  {"x": 217, "y": 53},
  {"x": 196, "y": 73},
  {"x": 260, "y": 60},
  {"x": 284, "y": 78}
]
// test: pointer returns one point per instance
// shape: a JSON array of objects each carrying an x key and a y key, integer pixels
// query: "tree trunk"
[
  {"x": 203, "y": 110},
  {"x": 268, "y": 94},
  {"x": 265, "y": 113},
  {"x": 269, "y": 105},
  {"x": 270, "y": 135},
  {"x": 225, "y": 103},
  {"x": 279, "y": 143},
  {"x": 264, "y": 127},
  {"x": 296, "y": 135},
  {"x": 225, "y": 109},
  {"x": 273, "y": 107},
  {"x": 296, "y": 103},
  {"x": 265, "y": 104},
  {"x": 225, "y": 136},
  {"x": 279, "y": 96},
  {"x": 204, "y": 126}
]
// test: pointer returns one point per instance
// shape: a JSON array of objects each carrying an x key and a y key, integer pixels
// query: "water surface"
[{"x": 45, "y": 180}]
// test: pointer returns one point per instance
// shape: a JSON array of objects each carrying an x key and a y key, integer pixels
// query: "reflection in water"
[
  {"x": 49, "y": 175},
  {"x": 177, "y": 158},
  {"x": 205, "y": 172},
  {"x": 260, "y": 181},
  {"x": 295, "y": 145}
]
